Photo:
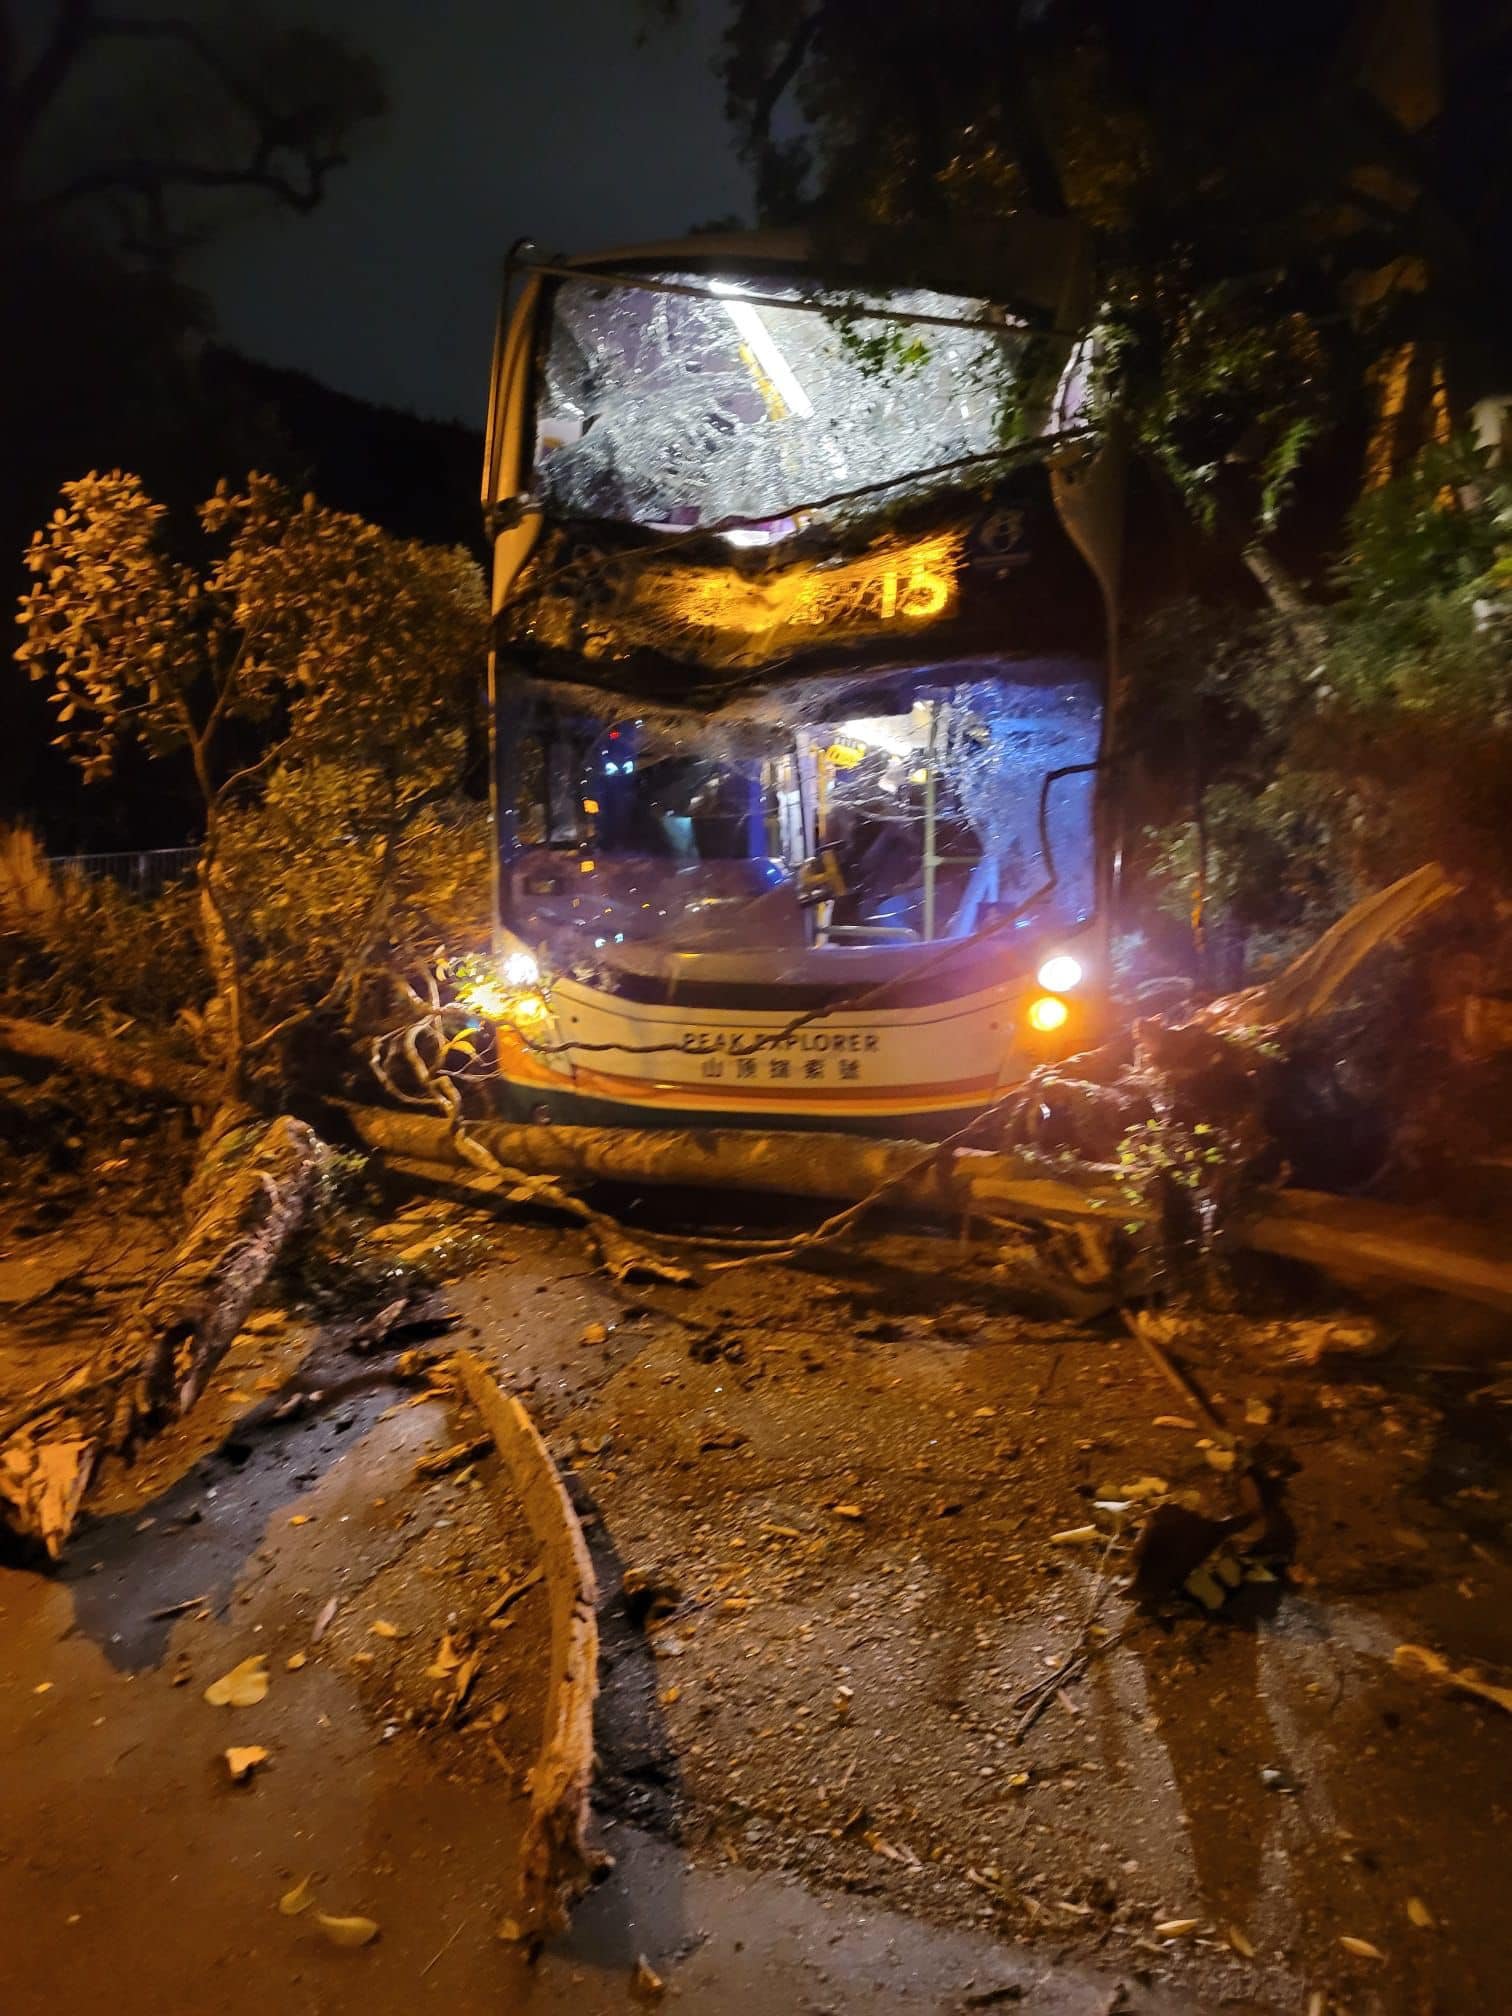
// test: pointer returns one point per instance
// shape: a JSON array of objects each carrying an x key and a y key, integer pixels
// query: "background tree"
[
  {"x": 126, "y": 137},
  {"x": 1295, "y": 223},
  {"x": 132, "y": 120},
  {"x": 1337, "y": 762},
  {"x": 1286, "y": 212}
]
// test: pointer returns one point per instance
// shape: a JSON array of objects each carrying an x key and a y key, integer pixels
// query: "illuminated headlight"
[
  {"x": 486, "y": 998},
  {"x": 522, "y": 969},
  {"x": 1047, "y": 1014},
  {"x": 1060, "y": 974}
]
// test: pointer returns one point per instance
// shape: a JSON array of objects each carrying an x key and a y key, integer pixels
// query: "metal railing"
[{"x": 144, "y": 871}]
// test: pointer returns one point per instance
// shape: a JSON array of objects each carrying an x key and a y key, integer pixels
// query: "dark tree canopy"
[
  {"x": 1275, "y": 201},
  {"x": 126, "y": 137},
  {"x": 135, "y": 123}
]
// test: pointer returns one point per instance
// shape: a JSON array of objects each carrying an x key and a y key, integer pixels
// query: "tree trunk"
[
  {"x": 251, "y": 1191},
  {"x": 117, "y": 1058},
  {"x": 944, "y": 1182}
]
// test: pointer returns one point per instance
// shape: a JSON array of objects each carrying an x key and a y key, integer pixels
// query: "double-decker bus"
[{"x": 799, "y": 691}]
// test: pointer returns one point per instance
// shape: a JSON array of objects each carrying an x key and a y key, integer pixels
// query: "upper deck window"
[{"x": 677, "y": 411}]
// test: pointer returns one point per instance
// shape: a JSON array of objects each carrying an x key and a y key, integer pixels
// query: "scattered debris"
[
  {"x": 347, "y": 1931},
  {"x": 1361, "y": 1948},
  {"x": 646, "y": 1985},
  {"x": 513, "y": 1593},
  {"x": 177, "y": 1609},
  {"x": 1275, "y": 1779},
  {"x": 242, "y": 1763},
  {"x": 651, "y": 1595},
  {"x": 1429, "y": 1665},
  {"x": 381, "y": 1628},
  {"x": 445, "y": 1662},
  {"x": 1420, "y": 1915},
  {"x": 243, "y": 1687},
  {"x": 443, "y": 1460},
  {"x": 324, "y": 1620},
  {"x": 1173, "y": 1543},
  {"x": 718, "y": 1436},
  {"x": 467, "y": 1672},
  {"x": 300, "y": 1898}
]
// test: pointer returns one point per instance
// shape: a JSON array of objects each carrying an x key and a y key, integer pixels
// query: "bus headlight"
[
  {"x": 1059, "y": 974},
  {"x": 1047, "y": 1014}
]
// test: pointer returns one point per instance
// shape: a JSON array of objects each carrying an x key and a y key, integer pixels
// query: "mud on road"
[
  {"x": 854, "y": 1503},
  {"x": 845, "y": 1517}
]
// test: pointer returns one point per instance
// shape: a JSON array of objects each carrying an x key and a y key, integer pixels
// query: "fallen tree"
[
  {"x": 1097, "y": 1220},
  {"x": 250, "y": 1193},
  {"x": 1353, "y": 1239},
  {"x": 1161, "y": 1137},
  {"x": 143, "y": 1067},
  {"x": 326, "y": 969},
  {"x": 947, "y": 1181},
  {"x": 335, "y": 649}
]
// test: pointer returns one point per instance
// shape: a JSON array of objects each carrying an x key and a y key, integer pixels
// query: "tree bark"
[
  {"x": 117, "y": 1058},
  {"x": 945, "y": 1182},
  {"x": 250, "y": 1193}
]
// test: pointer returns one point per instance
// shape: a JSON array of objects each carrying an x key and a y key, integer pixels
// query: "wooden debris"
[
  {"x": 177, "y": 1609},
  {"x": 1426, "y": 1664},
  {"x": 250, "y": 1193},
  {"x": 556, "y": 1863},
  {"x": 646, "y": 1985},
  {"x": 513, "y": 1593},
  {"x": 443, "y": 1460}
]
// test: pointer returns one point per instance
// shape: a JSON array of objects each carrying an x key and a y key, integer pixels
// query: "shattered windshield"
[
  {"x": 900, "y": 814},
  {"x": 676, "y": 412}
]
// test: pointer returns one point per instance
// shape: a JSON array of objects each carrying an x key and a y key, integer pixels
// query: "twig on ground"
[{"x": 1174, "y": 1376}]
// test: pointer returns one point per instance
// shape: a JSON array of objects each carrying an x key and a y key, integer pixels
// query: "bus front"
[{"x": 799, "y": 692}]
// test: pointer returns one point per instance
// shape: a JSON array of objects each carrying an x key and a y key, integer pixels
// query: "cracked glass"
[{"x": 676, "y": 413}]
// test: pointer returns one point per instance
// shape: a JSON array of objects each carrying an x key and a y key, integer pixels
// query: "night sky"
[{"x": 508, "y": 117}]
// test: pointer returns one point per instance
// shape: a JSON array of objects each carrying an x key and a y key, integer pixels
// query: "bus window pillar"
[
  {"x": 505, "y": 716},
  {"x": 931, "y": 858}
]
